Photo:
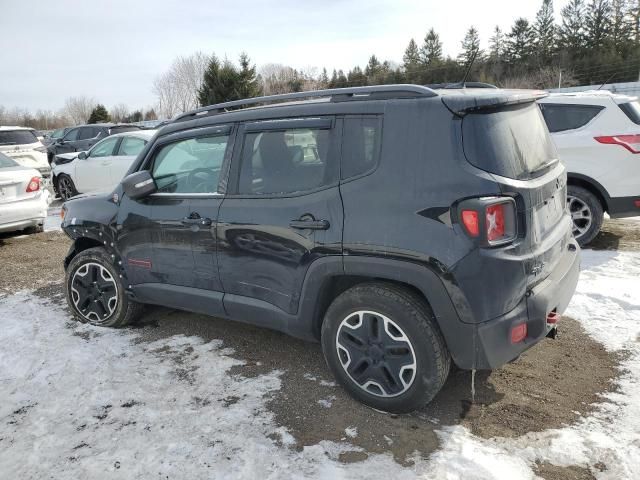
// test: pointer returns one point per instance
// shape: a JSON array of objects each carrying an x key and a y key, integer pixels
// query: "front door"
[
  {"x": 282, "y": 210},
  {"x": 93, "y": 172}
]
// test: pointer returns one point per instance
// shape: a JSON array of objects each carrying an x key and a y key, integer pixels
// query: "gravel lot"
[{"x": 549, "y": 387}]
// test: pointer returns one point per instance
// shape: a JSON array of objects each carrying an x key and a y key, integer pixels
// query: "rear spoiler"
[{"x": 465, "y": 102}]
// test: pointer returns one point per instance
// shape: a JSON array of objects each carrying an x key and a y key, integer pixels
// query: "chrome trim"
[{"x": 195, "y": 195}]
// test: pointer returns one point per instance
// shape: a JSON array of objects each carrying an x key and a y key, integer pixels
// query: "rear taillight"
[
  {"x": 518, "y": 333},
  {"x": 630, "y": 142},
  {"x": 34, "y": 185},
  {"x": 491, "y": 219}
]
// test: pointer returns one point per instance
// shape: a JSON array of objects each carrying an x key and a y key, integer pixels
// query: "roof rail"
[
  {"x": 374, "y": 92},
  {"x": 437, "y": 86}
]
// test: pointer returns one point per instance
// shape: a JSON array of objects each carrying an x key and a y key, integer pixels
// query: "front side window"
[
  {"x": 360, "y": 145},
  {"x": 190, "y": 166},
  {"x": 286, "y": 161},
  {"x": 72, "y": 135},
  {"x": 563, "y": 117},
  {"x": 131, "y": 146},
  {"x": 104, "y": 148},
  {"x": 86, "y": 133}
]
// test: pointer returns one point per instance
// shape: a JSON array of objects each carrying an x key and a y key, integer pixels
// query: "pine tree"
[
  {"x": 324, "y": 79},
  {"x": 411, "y": 62},
  {"x": 545, "y": 31},
  {"x": 571, "y": 31},
  {"x": 373, "y": 67},
  {"x": 598, "y": 23},
  {"x": 497, "y": 44},
  {"x": 470, "y": 47},
  {"x": 356, "y": 78},
  {"x": 99, "y": 115},
  {"x": 520, "y": 41},
  {"x": 220, "y": 83},
  {"x": 248, "y": 84},
  {"x": 431, "y": 51},
  {"x": 621, "y": 32}
]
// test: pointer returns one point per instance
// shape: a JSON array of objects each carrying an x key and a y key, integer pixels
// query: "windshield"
[
  {"x": 509, "y": 141},
  {"x": 6, "y": 162},
  {"x": 17, "y": 137},
  {"x": 632, "y": 110}
]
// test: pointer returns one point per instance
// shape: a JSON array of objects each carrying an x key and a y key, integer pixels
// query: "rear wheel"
[
  {"x": 66, "y": 187},
  {"x": 95, "y": 292},
  {"x": 383, "y": 346},
  {"x": 586, "y": 213}
]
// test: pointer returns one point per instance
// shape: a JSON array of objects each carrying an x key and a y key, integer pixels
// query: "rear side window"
[
  {"x": 17, "y": 137},
  {"x": 360, "y": 145},
  {"x": 72, "y": 135},
  {"x": 562, "y": 117},
  {"x": 286, "y": 161},
  {"x": 631, "y": 110},
  {"x": 87, "y": 133},
  {"x": 6, "y": 162},
  {"x": 131, "y": 146},
  {"x": 190, "y": 166},
  {"x": 510, "y": 141}
]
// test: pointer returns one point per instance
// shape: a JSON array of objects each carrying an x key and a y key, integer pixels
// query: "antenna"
[
  {"x": 466, "y": 74},
  {"x": 606, "y": 81}
]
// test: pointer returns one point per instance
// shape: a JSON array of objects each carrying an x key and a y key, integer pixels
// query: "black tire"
[
  {"x": 65, "y": 187},
  {"x": 34, "y": 230},
  {"x": 408, "y": 317},
  {"x": 97, "y": 298},
  {"x": 586, "y": 212}
]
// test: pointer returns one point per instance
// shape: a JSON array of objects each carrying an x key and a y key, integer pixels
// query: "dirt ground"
[{"x": 549, "y": 386}]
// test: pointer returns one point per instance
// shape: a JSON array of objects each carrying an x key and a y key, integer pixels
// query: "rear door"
[{"x": 281, "y": 212}]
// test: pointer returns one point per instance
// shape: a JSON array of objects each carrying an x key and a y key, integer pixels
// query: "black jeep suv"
[{"x": 402, "y": 227}]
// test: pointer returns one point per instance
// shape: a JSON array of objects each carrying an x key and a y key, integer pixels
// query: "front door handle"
[
  {"x": 310, "y": 223},
  {"x": 195, "y": 219}
]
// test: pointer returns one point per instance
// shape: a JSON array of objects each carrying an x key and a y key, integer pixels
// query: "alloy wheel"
[
  {"x": 65, "y": 188},
  {"x": 376, "y": 353},
  {"x": 94, "y": 292},
  {"x": 581, "y": 215}
]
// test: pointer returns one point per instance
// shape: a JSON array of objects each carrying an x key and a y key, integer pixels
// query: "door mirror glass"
[
  {"x": 82, "y": 155},
  {"x": 138, "y": 184}
]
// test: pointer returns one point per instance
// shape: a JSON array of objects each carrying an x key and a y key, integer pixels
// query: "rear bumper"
[
  {"x": 23, "y": 214},
  {"x": 491, "y": 341},
  {"x": 620, "y": 207}
]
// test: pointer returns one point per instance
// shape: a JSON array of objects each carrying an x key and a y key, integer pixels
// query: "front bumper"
[{"x": 492, "y": 342}]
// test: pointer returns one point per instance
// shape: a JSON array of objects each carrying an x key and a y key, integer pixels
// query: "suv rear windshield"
[
  {"x": 632, "y": 110},
  {"x": 17, "y": 137},
  {"x": 6, "y": 161},
  {"x": 562, "y": 117},
  {"x": 509, "y": 141}
]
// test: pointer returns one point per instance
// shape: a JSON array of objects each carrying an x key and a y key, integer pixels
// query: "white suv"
[
  {"x": 22, "y": 145},
  {"x": 597, "y": 134}
]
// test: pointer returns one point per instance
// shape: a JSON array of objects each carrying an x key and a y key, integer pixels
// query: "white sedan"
[
  {"x": 23, "y": 200},
  {"x": 102, "y": 167}
]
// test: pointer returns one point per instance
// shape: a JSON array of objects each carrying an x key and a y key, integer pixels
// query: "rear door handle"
[{"x": 311, "y": 224}]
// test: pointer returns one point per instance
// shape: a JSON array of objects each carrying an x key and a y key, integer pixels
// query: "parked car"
[
  {"x": 54, "y": 135},
  {"x": 22, "y": 145},
  {"x": 82, "y": 138},
  {"x": 403, "y": 227},
  {"x": 23, "y": 201},
  {"x": 597, "y": 134},
  {"x": 100, "y": 168}
]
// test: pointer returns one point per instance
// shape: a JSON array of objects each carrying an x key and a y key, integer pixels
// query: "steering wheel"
[{"x": 200, "y": 180}]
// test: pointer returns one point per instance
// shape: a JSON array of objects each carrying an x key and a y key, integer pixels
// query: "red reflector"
[
  {"x": 495, "y": 222},
  {"x": 34, "y": 185},
  {"x": 470, "y": 222},
  {"x": 553, "y": 317},
  {"x": 630, "y": 142},
  {"x": 519, "y": 333},
  {"x": 637, "y": 202}
]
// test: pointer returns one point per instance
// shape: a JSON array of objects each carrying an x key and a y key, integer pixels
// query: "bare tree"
[
  {"x": 119, "y": 112},
  {"x": 177, "y": 88},
  {"x": 78, "y": 109}
]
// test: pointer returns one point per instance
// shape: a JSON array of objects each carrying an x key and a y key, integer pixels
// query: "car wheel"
[
  {"x": 95, "y": 292},
  {"x": 383, "y": 346},
  {"x": 66, "y": 187},
  {"x": 586, "y": 213}
]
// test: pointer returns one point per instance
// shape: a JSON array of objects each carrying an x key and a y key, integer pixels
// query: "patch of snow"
[
  {"x": 52, "y": 221},
  {"x": 325, "y": 383},
  {"x": 327, "y": 402},
  {"x": 352, "y": 432},
  {"x": 308, "y": 376}
]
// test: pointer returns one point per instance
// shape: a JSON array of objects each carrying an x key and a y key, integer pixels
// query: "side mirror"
[
  {"x": 139, "y": 184},
  {"x": 82, "y": 155}
]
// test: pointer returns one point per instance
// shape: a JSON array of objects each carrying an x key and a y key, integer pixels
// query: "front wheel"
[
  {"x": 95, "y": 292},
  {"x": 66, "y": 187},
  {"x": 586, "y": 214},
  {"x": 383, "y": 346}
]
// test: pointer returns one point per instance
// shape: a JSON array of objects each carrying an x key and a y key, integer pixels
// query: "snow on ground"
[
  {"x": 52, "y": 221},
  {"x": 78, "y": 402}
]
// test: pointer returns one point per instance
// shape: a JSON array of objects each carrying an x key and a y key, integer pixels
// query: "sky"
[{"x": 112, "y": 50}]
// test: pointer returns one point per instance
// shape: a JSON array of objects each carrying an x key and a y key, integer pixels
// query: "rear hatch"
[
  {"x": 25, "y": 148},
  {"x": 504, "y": 134}
]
